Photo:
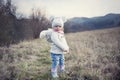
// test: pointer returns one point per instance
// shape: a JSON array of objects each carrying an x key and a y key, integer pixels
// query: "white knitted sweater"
[{"x": 58, "y": 44}]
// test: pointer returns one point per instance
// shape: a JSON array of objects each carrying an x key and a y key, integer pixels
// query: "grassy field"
[{"x": 94, "y": 55}]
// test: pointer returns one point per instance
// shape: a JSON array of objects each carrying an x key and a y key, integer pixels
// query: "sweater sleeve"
[
  {"x": 42, "y": 34},
  {"x": 55, "y": 39}
]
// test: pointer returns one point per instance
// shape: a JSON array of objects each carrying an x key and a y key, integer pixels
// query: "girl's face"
[{"x": 58, "y": 28}]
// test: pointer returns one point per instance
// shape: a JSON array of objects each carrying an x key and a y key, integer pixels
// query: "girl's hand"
[{"x": 66, "y": 51}]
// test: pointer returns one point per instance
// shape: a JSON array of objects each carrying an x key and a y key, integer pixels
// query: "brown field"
[{"x": 94, "y": 55}]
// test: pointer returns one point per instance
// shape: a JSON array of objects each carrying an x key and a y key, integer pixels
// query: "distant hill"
[{"x": 77, "y": 24}]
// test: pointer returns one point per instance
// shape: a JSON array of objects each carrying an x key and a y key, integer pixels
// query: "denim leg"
[
  {"x": 55, "y": 63},
  {"x": 61, "y": 62}
]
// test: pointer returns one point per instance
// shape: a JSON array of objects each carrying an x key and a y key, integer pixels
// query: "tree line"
[{"x": 14, "y": 29}]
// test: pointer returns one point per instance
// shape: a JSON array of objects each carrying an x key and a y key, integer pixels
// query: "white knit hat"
[{"x": 57, "y": 22}]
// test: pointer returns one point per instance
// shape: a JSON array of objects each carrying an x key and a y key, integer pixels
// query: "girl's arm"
[
  {"x": 56, "y": 41},
  {"x": 43, "y": 34}
]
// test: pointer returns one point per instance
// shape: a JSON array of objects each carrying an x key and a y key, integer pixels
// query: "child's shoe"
[
  {"x": 63, "y": 73},
  {"x": 54, "y": 75}
]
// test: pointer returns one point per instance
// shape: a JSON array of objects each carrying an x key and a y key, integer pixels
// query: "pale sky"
[{"x": 69, "y": 8}]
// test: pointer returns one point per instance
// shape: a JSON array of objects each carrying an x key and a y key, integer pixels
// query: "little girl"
[{"x": 59, "y": 46}]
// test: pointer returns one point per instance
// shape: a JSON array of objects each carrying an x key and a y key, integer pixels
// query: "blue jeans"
[{"x": 57, "y": 60}]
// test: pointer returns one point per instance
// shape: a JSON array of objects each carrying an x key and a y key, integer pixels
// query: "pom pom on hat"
[{"x": 57, "y": 22}]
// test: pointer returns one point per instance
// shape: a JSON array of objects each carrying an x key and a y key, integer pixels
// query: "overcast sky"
[{"x": 70, "y": 8}]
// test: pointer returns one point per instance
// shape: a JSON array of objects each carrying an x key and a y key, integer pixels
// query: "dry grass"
[{"x": 94, "y": 55}]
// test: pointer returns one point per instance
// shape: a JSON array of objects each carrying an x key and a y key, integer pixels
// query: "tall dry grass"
[{"x": 94, "y": 55}]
